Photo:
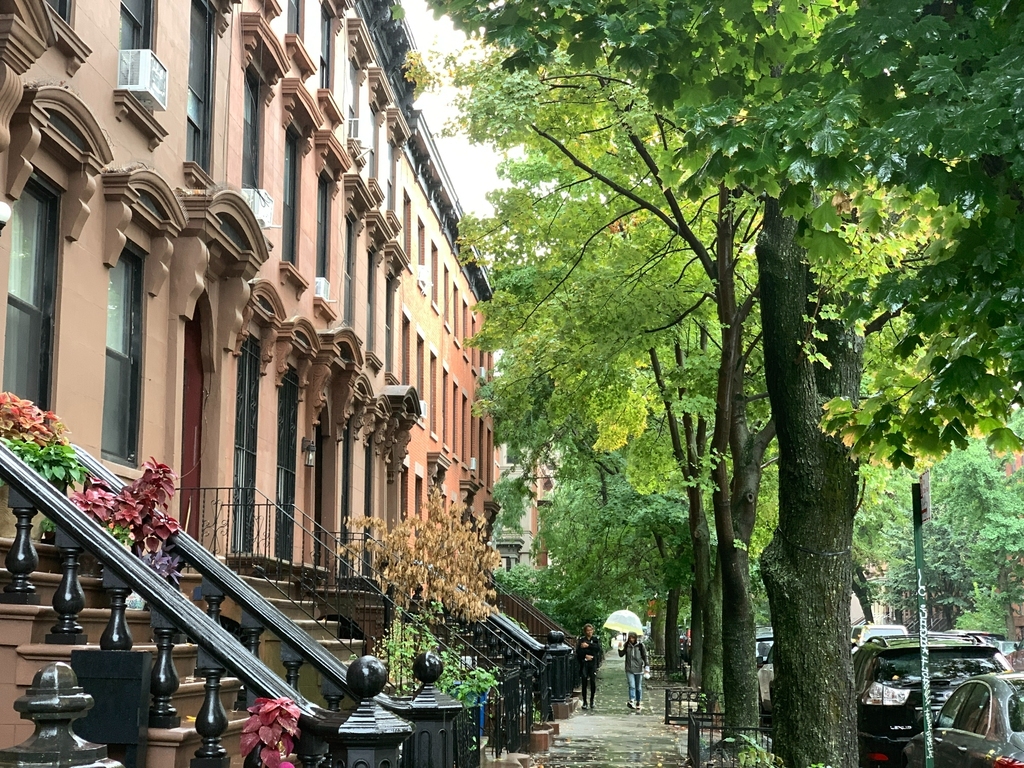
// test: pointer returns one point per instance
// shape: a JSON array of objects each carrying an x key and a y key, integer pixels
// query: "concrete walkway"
[{"x": 614, "y": 735}]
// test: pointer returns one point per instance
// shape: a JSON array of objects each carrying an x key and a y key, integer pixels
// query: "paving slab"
[{"x": 613, "y": 735}]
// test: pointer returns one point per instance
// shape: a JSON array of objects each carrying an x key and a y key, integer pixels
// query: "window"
[
  {"x": 392, "y": 169},
  {"x": 433, "y": 273},
  {"x": 389, "y": 323},
  {"x": 456, "y": 418},
  {"x": 368, "y": 480},
  {"x": 62, "y": 7},
  {"x": 465, "y": 428},
  {"x": 447, "y": 303},
  {"x": 251, "y": 131},
  {"x": 200, "y": 68},
  {"x": 419, "y": 370},
  {"x": 293, "y": 20},
  {"x": 421, "y": 253},
  {"x": 247, "y": 407},
  {"x": 287, "y": 447},
  {"x": 371, "y": 162},
  {"x": 323, "y": 226},
  {"x": 433, "y": 393},
  {"x": 371, "y": 301},
  {"x": 31, "y": 292},
  {"x": 406, "y": 351},
  {"x": 403, "y": 498},
  {"x": 123, "y": 376},
  {"x": 444, "y": 407},
  {"x": 346, "y": 474},
  {"x": 407, "y": 223},
  {"x": 326, "y": 48},
  {"x": 135, "y": 24},
  {"x": 418, "y": 498},
  {"x": 350, "y": 271},
  {"x": 353, "y": 99},
  {"x": 455, "y": 310},
  {"x": 289, "y": 213}
]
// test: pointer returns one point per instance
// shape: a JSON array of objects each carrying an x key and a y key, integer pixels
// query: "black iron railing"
[
  {"x": 710, "y": 743},
  {"x": 468, "y": 730},
  {"x": 680, "y": 703}
]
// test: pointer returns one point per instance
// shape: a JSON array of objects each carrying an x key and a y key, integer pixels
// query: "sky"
[{"x": 470, "y": 167}]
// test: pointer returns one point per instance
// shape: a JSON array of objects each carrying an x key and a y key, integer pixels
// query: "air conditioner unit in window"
[
  {"x": 483, "y": 372},
  {"x": 353, "y": 127},
  {"x": 322, "y": 288},
  {"x": 472, "y": 464},
  {"x": 140, "y": 71},
  {"x": 262, "y": 205},
  {"x": 423, "y": 409},
  {"x": 423, "y": 278}
]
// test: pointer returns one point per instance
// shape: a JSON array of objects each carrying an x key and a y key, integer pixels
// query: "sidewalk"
[{"x": 613, "y": 735}]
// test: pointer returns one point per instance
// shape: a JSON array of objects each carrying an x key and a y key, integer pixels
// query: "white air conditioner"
[
  {"x": 472, "y": 464},
  {"x": 483, "y": 372},
  {"x": 140, "y": 71},
  {"x": 423, "y": 278},
  {"x": 423, "y": 409},
  {"x": 322, "y": 288},
  {"x": 353, "y": 127},
  {"x": 262, "y": 205}
]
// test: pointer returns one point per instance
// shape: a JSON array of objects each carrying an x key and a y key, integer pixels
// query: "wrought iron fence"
[
  {"x": 468, "y": 730},
  {"x": 710, "y": 743},
  {"x": 679, "y": 703}
]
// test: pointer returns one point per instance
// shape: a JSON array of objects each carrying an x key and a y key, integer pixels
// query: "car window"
[
  {"x": 949, "y": 710},
  {"x": 904, "y": 666},
  {"x": 1015, "y": 705},
  {"x": 973, "y": 715},
  {"x": 855, "y": 636}
]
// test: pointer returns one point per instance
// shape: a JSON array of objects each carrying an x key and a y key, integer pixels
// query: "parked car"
[
  {"x": 765, "y": 678},
  {"x": 864, "y": 632},
  {"x": 980, "y": 726},
  {"x": 765, "y": 638},
  {"x": 887, "y": 685},
  {"x": 1017, "y": 656}
]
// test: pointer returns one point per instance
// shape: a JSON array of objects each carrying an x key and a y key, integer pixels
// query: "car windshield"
[
  {"x": 904, "y": 667},
  {"x": 1015, "y": 705},
  {"x": 885, "y": 631}
]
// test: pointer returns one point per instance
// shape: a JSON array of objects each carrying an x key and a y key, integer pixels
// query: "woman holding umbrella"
[{"x": 633, "y": 650}]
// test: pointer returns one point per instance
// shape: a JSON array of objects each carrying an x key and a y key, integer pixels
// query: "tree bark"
[
  {"x": 672, "y": 629},
  {"x": 863, "y": 593},
  {"x": 807, "y": 565},
  {"x": 696, "y": 638}
]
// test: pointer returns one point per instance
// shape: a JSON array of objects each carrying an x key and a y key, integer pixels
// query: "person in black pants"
[{"x": 589, "y": 655}]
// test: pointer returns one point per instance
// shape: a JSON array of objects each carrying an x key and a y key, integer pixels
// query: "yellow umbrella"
[{"x": 624, "y": 621}]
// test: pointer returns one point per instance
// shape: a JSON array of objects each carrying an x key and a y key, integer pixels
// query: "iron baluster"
[
  {"x": 69, "y": 598},
  {"x": 116, "y": 636},
  {"x": 22, "y": 559},
  {"x": 164, "y": 679}
]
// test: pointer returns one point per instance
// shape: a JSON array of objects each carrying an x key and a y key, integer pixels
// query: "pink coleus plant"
[{"x": 273, "y": 727}]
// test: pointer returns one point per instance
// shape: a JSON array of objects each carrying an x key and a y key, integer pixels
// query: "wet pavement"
[{"x": 613, "y": 735}]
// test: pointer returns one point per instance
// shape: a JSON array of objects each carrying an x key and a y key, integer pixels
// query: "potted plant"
[
  {"x": 137, "y": 515},
  {"x": 39, "y": 439},
  {"x": 273, "y": 728}
]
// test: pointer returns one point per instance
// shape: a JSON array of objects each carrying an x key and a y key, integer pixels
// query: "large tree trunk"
[
  {"x": 672, "y": 630},
  {"x": 807, "y": 567},
  {"x": 863, "y": 593},
  {"x": 712, "y": 683},
  {"x": 696, "y": 638}
]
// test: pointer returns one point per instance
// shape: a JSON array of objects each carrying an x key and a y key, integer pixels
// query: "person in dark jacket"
[
  {"x": 589, "y": 655},
  {"x": 636, "y": 665}
]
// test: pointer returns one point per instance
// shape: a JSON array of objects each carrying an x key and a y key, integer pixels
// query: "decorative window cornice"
[
  {"x": 300, "y": 107},
  {"x": 297, "y": 337},
  {"x": 378, "y": 229},
  {"x": 360, "y": 46},
  {"x": 358, "y": 199},
  {"x": 68, "y": 42},
  {"x": 397, "y": 258},
  {"x": 381, "y": 96},
  {"x": 299, "y": 55},
  {"x": 398, "y": 128},
  {"x": 262, "y": 48},
  {"x": 329, "y": 106},
  {"x": 128, "y": 106},
  {"x": 226, "y": 225},
  {"x": 331, "y": 155}
]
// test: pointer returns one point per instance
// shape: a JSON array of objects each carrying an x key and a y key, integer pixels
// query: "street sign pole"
[{"x": 921, "y": 493}]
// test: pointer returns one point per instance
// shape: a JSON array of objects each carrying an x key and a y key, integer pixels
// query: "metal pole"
[{"x": 922, "y": 616}]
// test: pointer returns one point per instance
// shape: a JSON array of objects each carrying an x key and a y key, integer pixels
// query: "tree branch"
[{"x": 686, "y": 313}]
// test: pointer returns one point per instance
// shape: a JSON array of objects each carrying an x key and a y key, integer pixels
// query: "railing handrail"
[
  {"x": 528, "y": 606},
  {"x": 167, "y": 599}
]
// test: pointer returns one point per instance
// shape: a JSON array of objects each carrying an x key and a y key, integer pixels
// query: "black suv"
[{"x": 887, "y": 683}]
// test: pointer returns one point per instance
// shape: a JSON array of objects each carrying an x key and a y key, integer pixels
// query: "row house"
[{"x": 233, "y": 247}]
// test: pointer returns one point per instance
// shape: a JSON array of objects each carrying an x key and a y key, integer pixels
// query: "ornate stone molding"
[
  {"x": 73, "y": 48},
  {"x": 437, "y": 466},
  {"x": 142, "y": 196},
  {"x": 469, "y": 490},
  {"x": 378, "y": 229},
  {"x": 329, "y": 107},
  {"x": 405, "y": 408},
  {"x": 26, "y": 30},
  {"x": 358, "y": 198},
  {"x": 266, "y": 309},
  {"x": 289, "y": 275},
  {"x": 398, "y": 128},
  {"x": 299, "y": 339},
  {"x": 127, "y": 106},
  {"x": 271, "y": 9},
  {"x": 381, "y": 95},
  {"x": 299, "y": 55},
  {"x": 360, "y": 45},
  {"x": 331, "y": 155},
  {"x": 262, "y": 49},
  {"x": 397, "y": 258}
]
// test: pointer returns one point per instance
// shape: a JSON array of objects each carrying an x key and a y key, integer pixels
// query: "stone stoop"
[{"x": 175, "y": 747}]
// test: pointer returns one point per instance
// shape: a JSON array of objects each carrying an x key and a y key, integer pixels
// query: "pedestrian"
[
  {"x": 636, "y": 665},
  {"x": 589, "y": 654}
]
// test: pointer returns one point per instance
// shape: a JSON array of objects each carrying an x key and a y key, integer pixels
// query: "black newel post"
[
  {"x": 310, "y": 749},
  {"x": 559, "y": 657},
  {"x": 21, "y": 558},
  {"x": 164, "y": 678},
  {"x": 69, "y": 598},
  {"x": 53, "y": 703},
  {"x": 116, "y": 636},
  {"x": 433, "y": 713},
  {"x": 371, "y": 735},
  {"x": 212, "y": 720}
]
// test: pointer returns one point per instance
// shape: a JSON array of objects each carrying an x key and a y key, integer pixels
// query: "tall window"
[
  {"x": 353, "y": 99},
  {"x": 287, "y": 447},
  {"x": 326, "y": 48},
  {"x": 123, "y": 376},
  {"x": 455, "y": 310},
  {"x": 368, "y": 480},
  {"x": 407, "y": 223},
  {"x": 371, "y": 301},
  {"x": 447, "y": 302},
  {"x": 406, "y": 351},
  {"x": 62, "y": 7},
  {"x": 293, "y": 19},
  {"x": 456, "y": 417},
  {"x": 392, "y": 169},
  {"x": 465, "y": 428},
  {"x": 251, "y": 131},
  {"x": 433, "y": 393},
  {"x": 371, "y": 163},
  {"x": 403, "y": 494},
  {"x": 323, "y": 226},
  {"x": 346, "y": 474},
  {"x": 135, "y": 24},
  {"x": 444, "y": 407},
  {"x": 420, "y": 368},
  {"x": 421, "y": 243},
  {"x": 389, "y": 324},
  {"x": 247, "y": 408},
  {"x": 289, "y": 214},
  {"x": 417, "y": 498},
  {"x": 31, "y": 291},
  {"x": 433, "y": 273},
  {"x": 200, "y": 69},
  {"x": 350, "y": 270}
]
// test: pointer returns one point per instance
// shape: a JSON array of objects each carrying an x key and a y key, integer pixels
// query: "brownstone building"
[{"x": 233, "y": 248}]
